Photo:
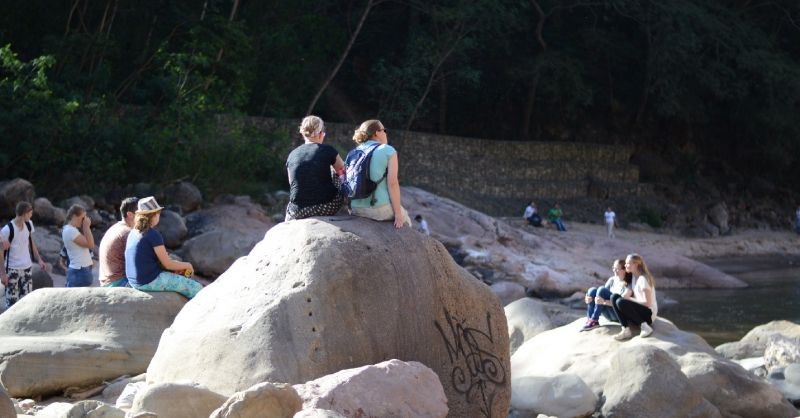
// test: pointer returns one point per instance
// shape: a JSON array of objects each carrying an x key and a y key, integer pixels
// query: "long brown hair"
[{"x": 643, "y": 270}]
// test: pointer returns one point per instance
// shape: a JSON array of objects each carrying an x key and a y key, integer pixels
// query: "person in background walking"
[
  {"x": 531, "y": 215},
  {"x": 17, "y": 237},
  {"x": 611, "y": 221},
  {"x": 554, "y": 215},
  {"x": 422, "y": 225}
]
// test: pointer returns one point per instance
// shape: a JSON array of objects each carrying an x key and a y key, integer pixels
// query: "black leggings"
[{"x": 629, "y": 311}]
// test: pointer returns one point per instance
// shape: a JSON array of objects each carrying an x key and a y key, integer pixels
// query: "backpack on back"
[
  {"x": 10, "y": 226},
  {"x": 357, "y": 184}
]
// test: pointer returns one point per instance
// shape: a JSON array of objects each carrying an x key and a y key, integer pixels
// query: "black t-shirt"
[{"x": 310, "y": 167}]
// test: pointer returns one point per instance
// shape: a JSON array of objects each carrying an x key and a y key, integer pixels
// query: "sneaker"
[
  {"x": 647, "y": 330},
  {"x": 623, "y": 335},
  {"x": 590, "y": 324}
]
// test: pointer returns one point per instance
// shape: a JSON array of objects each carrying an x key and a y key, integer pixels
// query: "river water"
[{"x": 724, "y": 315}]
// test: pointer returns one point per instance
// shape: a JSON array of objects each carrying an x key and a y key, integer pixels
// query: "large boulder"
[
  {"x": 324, "y": 294},
  {"x": 563, "y": 396},
  {"x": 6, "y": 405},
  {"x": 222, "y": 234},
  {"x": 727, "y": 386},
  {"x": 755, "y": 342},
  {"x": 56, "y": 338},
  {"x": 392, "y": 388},
  {"x": 13, "y": 192}
]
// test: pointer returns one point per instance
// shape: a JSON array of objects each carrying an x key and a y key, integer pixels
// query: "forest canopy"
[{"x": 112, "y": 92}]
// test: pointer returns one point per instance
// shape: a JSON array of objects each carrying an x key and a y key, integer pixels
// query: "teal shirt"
[{"x": 377, "y": 167}]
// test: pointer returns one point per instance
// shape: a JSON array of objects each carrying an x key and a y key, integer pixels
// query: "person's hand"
[
  {"x": 42, "y": 264},
  {"x": 4, "y": 244},
  {"x": 587, "y": 299},
  {"x": 398, "y": 222},
  {"x": 600, "y": 301},
  {"x": 4, "y": 278},
  {"x": 87, "y": 222}
]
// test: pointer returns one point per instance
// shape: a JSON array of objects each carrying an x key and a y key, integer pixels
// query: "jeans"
[
  {"x": 594, "y": 310},
  {"x": 81, "y": 277},
  {"x": 559, "y": 225}
]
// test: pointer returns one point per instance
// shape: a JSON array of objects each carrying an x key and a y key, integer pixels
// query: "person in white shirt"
[
  {"x": 611, "y": 221},
  {"x": 423, "y": 225},
  {"x": 78, "y": 240},
  {"x": 531, "y": 215},
  {"x": 17, "y": 270},
  {"x": 641, "y": 308}
]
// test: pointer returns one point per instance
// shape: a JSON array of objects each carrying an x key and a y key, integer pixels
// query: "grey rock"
[
  {"x": 281, "y": 315},
  {"x": 44, "y": 213},
  {"x": 176, "y": 400},
  {"x": 172, "y": 228},
  {"x": 185, "y": 195},
  {"x": 13, "y": 192},
  {"x": 275, "y": 400}
]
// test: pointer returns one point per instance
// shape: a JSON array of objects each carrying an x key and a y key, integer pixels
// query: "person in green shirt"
[{"x": 554, "y": 215}]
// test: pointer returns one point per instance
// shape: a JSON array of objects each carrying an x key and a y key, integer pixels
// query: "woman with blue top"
[
  {"x": 78, "y": 240},
  {"x": 384, "y": 205},
  {"x": 147, "y": 263}
]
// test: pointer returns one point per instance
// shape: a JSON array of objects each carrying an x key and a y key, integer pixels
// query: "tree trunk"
[{"x": 370, "y": 4}]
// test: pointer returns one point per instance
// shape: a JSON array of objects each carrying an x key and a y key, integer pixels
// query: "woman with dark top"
[{"x": 314, "y": 188}]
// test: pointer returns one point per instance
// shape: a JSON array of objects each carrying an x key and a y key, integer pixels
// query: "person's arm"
[
  {"x": 168, "y": 263},
  {"x": 3, "y": 275},
  {"x": 338, "y": 165},
  {"x": 394, "y": 191},
  {"x": 85, "y": 239}
]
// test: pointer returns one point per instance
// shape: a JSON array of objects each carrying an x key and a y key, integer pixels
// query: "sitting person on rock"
[
  {"x": 145, "y": 254},
  {"x": 384, "y": 204},
  {"x": 112, "y": 246},
  {"x": 640, "y": 308},
  {"x": 313, "y": 188},
  {"x": 78, "y": 241},
  {"x": 554, "y": 215},
  {"x": 598, "y": 299},
  {"x": 532, "y": 215}
]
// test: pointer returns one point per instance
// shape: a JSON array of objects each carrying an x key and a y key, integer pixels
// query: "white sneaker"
[
  {"x": 647, "y": 330},
  {"x": 623, "y": 335}
]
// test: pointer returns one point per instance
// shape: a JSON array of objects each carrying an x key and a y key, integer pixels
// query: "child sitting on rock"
[{"x": 598, "y": 299}]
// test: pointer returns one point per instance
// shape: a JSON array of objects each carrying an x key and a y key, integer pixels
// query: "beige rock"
[
  {"x": 392, "y": 388},
  {"x": 755, "y": 341},
  {"x": 645, "y": 381},
  {"x": 176, "y": 400},
  {"x": 726, "y": 385},
  {"x": 780, "y": 352},
  {"x": 564, "y": 396},
  {"x": 526, "y": 318},
  {"x": 57, "y": 338},
  {"x": 320, "y": 295},
  {"x": 82, "y": 409},
  {"x": 274, "y": 400}
]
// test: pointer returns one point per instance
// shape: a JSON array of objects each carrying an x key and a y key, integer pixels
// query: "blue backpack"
[{"x": 357, "y": 184}]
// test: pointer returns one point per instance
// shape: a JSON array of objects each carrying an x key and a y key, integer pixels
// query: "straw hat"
[{"x": 148, "y": 205}]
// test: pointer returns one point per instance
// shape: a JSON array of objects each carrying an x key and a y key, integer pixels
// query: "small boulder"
[
  {"x": 40, "y": 278},
  {"x": 526, "y": 318},
  {"x": 44, "y": 213},
  {"x": 392, "y": 388},
  {"x": 82, "y": 409},
  {"x": 564, "y": 395},
  {"x": 274, "y": 400},
  {"x": 318, "y": 413},
  {"x": 84, "y": 200},
  {"x": 645, "y": 381},
  {"x": 755, "y": 342},
  {"x": 780, "y": 352},
  {"x": 185, "y": 195},
  {"x": 508, "y": 291},
  {"x": 718, "y": 216},
  {"x": 176, "y": 400},
  {"x": 172, "y": 228},
  {"x": 13, "y": 192}
]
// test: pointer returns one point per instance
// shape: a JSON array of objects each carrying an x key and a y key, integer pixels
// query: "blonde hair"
[
  {"x": 367, "y": 130},
  {"x": 310, "y": 126},
  {"x": 643, "y": 270},
  {"x": 74, "y": 210},
  {"x": 141, "y": 222}
]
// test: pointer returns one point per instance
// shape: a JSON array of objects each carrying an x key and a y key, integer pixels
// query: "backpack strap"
[
  {"x": 10, "y": 238},
  {"x": 372, "y": 198},
  {"x": 29, "y": 224}
]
